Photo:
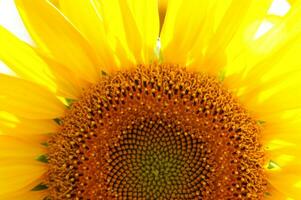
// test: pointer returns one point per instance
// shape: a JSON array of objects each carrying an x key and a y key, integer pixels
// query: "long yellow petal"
[
  {"x": 17, "y": 126},
  {"x": 146, "y": 17},
  {"x": 69, "y": 84},
  {"x": 183, "y": 23},
  {"x": 133, "y": 30},
  {"x": 24, "y": 194},
  {"x": 23, "y": 149},
  {"x": 286, "y": 182},
  {"x": 258, "y": 57},
  {"x": 265, "y": 87},
  {"x": 55, "y": 36},
  {"x": 226, "y": 29},
  {"x": 18, "y": 167},
  {"x": 281, "y": 127},
  {"x": 276, "y": 88},
  {"x": 85, "y": 16},
  {"x": 28, "y": 100},
  {"x": 274, "y": 194},
  {"x": 113, "y": 23},
  {"x": 30, "y": 65},
  {"x": 23, "y": 60},
  {"x": 246, "y": 35}
]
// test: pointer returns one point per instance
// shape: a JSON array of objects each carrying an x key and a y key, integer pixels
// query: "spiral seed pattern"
[{"x": 156, "y": 159}]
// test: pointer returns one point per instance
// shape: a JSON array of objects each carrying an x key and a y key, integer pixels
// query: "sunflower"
[{"x": 125, "y": 99}]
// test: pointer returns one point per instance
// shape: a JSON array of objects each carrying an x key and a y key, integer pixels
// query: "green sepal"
[
  {"x": 40, "y": 187},
  {"x": 45, "y": 144},
  {"x": 260, "y": 122},
  {"x": 103, "y": 73},
  {"x": 272, "y": 165},
  {"x": 69, "y": 102},
  {"x": 42, "y": 158},
  {"x": 58, "y": 121},
  {"x": 222, "y": 76}
]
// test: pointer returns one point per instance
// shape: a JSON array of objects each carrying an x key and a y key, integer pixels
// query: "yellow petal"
[
  {"x": 55, "y": 36},
  {"x": 285, "y": 153},
  {"x": 246, "y": 34},
  {"x": 28, "y": 100},
  {"x": 113, "y": 23},
  {"x": 17, "y": 126},
  {"x": 23, "y": 149},
  {"x": 281, "y": 127},
  {"x": 266, "y": 87},
  {"x": 146, "y": 17},
  {"x": 183, "y": 23},
  {"x": 226, "y": 29},
  {"x": 274, "y": 194},
  {"x": 18, "y": 167},
  {"x": 286, "y": 182},
  {"x": 277, "y": 90},
  {"x": 133, "y": 38},
  {"x": 90, "y": 23},
  {"x": 55, "y": 2},
  {"x": 23, "y": 60},
  {"x": 69, "y": 84},
  {"x": 34, "y": 67},
  {"x": 24, "y": 194},
  {"x": 261, "y": 56},
  {"x": 134, "y": 28},
  {"x": 197, "y": 34}
]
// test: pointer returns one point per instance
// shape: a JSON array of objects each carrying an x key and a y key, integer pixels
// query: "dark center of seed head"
[{"x": 158, "y": 160}]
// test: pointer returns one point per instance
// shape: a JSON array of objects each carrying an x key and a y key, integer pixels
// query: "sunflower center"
[
  {"x": 156, "y": 132},
  {"x": 159, "y": 160}
]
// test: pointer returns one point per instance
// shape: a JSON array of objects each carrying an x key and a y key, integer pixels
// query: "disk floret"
[{"x": 156, "y": 132}]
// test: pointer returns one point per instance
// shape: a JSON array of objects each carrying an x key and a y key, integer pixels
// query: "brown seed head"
[{"x": 156, "y": 132}]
